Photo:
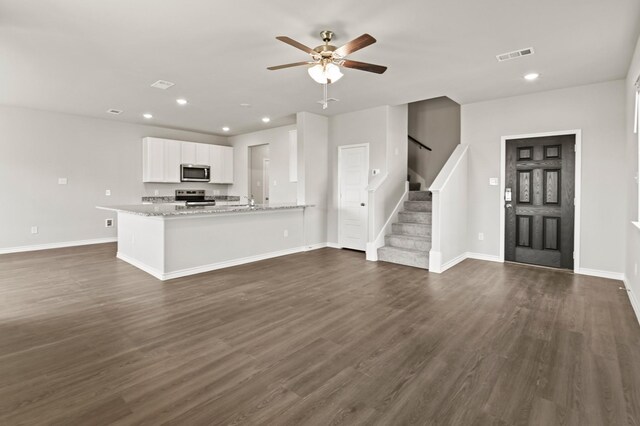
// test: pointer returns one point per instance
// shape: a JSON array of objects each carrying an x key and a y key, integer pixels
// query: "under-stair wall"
[{"x": 450, "y": 210}]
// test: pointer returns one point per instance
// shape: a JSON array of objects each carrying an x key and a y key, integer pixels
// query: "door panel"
[
  {"x": 539, "y": 219},
  {"x": 353, "y": 164}
]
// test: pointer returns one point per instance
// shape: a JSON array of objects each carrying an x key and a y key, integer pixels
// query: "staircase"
[{"x": 410, "y": 239}]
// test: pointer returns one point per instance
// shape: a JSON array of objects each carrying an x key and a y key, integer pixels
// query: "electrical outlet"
[
  {"x": 275, "y": 182},
  {"x": 62, "y": 181},
  {"x": 493, "y": 181},
  {"x": 286, "y": 233},
  {"x": 107, "y": 192},
  {"x": 34, "y": 229},
  {"x": 108, "y": 223},
  {"x": 481, "y": 236}
]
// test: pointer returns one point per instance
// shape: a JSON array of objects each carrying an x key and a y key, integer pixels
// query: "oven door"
[{"x": 194, "y": 173}]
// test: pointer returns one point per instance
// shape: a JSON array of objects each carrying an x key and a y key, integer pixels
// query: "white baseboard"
[
  {"x": 214, "y": 266},
  {"x": 601, "y": 274},
  {"x": 453, "y": 262},
  {"x": 435, "y": 260},
  {"x": 49, "y": 246},
  {"x": 483, "y": 256},
  {"x": 143, "y": 266},
  {"x": 632, "y": 298},
  {"x": 334, "y": 245}
]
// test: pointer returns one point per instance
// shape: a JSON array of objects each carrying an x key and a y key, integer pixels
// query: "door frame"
[
  {"x": 266, "y": 181},
  {"x": 340, "y": 148},
  {"x": 577, "y": 181}
]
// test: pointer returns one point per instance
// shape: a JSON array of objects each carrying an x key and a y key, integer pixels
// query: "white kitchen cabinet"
[
  {"x": 195, "y": 153},
  {"x": 221, "y": 161},
  {"x": 160, "y": 160}
]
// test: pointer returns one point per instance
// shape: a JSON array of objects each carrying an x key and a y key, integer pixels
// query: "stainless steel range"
[{"x": 193, "y": 197}]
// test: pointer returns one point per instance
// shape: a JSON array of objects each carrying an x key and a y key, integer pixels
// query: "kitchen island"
[{"x": 170, "y": 241}]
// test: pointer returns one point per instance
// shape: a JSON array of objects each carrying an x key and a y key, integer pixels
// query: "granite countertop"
[
  {"x": 171, "y": 199},
  {"x": 167, "y": 210}
]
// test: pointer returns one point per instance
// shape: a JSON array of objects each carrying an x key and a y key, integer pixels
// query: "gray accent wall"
[
  {"x": 599, "y": 111},
  {"x": 435, "y": 123},
  {"x": 38, "y": 147}
]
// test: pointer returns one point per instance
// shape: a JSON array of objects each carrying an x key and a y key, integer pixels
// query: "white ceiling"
[{"x": 86, "y": 56}]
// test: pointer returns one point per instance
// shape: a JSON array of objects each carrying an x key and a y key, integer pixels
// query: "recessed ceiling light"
[
  {"x": 266, "y": 119},
  {"x": 181, "y": 101},
  {"x": 531, "y": 76},
  {"x": 147, "y": 115},
  {"x": 114, "y": 111},
  {"x": 225, "y": 129}
]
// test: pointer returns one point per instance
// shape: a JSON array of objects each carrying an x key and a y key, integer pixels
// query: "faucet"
[{"x": 250, "y": 200}]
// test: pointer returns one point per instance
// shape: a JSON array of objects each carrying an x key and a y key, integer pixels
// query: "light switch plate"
[
  {"x": 107, "y": 192},
  {"x": 493, "y": 181},
  {"x": 62, "y": 181}
]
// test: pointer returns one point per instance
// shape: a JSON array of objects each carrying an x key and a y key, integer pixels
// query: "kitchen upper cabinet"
[
  {"x": 160, "y": 160},
  {"x": 221, "y": 161},
  {"x": 195, "y": 153}
]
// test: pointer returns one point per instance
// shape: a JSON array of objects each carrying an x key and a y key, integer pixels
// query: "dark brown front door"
[{"x": 540, "y": 183}]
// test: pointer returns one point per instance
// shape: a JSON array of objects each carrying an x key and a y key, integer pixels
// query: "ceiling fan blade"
[
  {"x": 356, "y": 44},
  {"x": 295, "y": 44},
  {"x": 294, "y": 64},
  {"x": 363, "y": 66}
]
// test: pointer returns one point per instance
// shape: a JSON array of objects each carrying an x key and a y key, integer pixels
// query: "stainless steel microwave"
[{"x": 195, "y": 173}]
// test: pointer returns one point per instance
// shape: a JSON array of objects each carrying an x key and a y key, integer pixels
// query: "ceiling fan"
[{"x": 326, "y": 59}]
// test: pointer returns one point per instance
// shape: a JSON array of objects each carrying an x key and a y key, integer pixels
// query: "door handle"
[
  {"x": 508, "y": 206},
  {"x": 362, "y": 204}
]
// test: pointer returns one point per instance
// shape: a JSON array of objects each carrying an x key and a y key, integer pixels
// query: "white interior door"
[{"x": 353, "y": 169}]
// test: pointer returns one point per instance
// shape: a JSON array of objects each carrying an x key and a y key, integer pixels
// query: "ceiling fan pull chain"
[{"x": 325, "y": 102}]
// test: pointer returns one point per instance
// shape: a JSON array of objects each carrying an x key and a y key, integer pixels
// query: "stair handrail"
[{"x": 412, "y": 139}]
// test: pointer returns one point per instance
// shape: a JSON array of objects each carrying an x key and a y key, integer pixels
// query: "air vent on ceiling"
[
  {"x": 515, "y": 54},
  {"x": 162, "y": 84},
  {"x": 114, "y": 111}
]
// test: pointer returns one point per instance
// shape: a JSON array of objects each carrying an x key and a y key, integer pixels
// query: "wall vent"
[
  {"x": 114, "y": 111},
  {"x": 162, "y": 84},
  {"x": 515, "y": 54}
]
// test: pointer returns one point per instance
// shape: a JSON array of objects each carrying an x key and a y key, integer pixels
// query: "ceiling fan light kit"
[{"x": 326, "y": 59}]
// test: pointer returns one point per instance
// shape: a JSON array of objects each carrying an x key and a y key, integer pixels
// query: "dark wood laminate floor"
[{"x": 315, "y": 338}]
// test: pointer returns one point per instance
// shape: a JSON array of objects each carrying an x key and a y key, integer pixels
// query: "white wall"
[
  {"x": 450, "y": 211},
  {"x": 280, "y": 189},
  {"x": 384, "y": 129},
  {"x": 313, "y": 174},
  {"x": 38, "y": 147},
  {"x": 631, "y": 184},
  {"x": 435, "y": 123},
  {"x": 599, "y": 111}
]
